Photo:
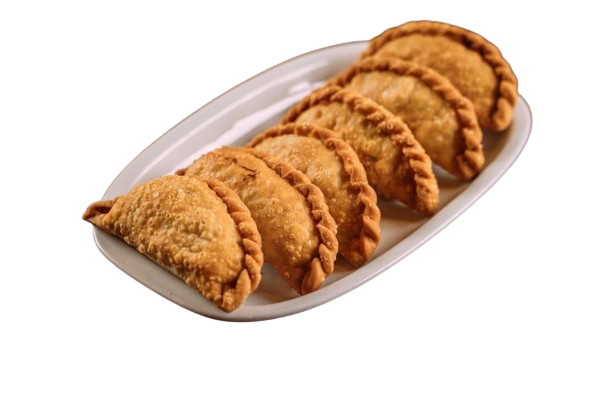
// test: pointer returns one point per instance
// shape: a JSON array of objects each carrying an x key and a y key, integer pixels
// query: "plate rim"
[{"x": 456, "y": 207}]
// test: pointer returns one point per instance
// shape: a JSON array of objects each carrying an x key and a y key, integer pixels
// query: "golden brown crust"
[
  {"x": 251, "y": 239},
  {"x": 471, "y": 159},
  {"x": 96, "y": 211},
  {"x": 357, "y": 249},
  {"x": 323, "y": 264},
  {"x": 169, "y": 220},
  {"x": 500, "y": 116},
  {"x": 285, "y": 212},
  {"x": 419, "y": 187}
]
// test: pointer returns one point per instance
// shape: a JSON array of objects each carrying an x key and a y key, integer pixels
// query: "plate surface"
[{"x": 251, "y": 107}]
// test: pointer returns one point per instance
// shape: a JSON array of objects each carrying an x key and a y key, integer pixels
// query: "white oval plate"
[{"x": 251, "y": 107}]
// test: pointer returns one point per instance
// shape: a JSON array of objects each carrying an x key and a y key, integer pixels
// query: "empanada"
[
  {"x": 333, "y": 166},
  {"x": 297, "y": 231},
  {"x": 474, "y": 65},
  {"x": 197, "y": 228},
  {"x": 441, "y": 119},
  {"x": 395, "y": 163}
]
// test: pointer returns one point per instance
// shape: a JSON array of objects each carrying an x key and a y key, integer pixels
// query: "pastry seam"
[
  {"x": 370, "y": 234},
  {"x": 426, "y": 186},
  {"x": 251, "y": 240},
  {"x": 323, "y": 265},
  {"x": 471, "y": 160},
  {"x": 507, "y": 87}
]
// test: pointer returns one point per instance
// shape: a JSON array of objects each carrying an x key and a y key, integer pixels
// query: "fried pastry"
[
  {"x": 474, "y": 65},
  {"x": 297, "y": 231},
  {"x": 442, "y": 120},
  {"x": 333, "y": 166},
  {"x": 195, "y": 227},
  {"x": 396, "y": 164}
]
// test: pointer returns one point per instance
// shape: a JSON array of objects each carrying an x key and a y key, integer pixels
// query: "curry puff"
[
  {"x": 195, "y": 227},
  {"x": 474, "y": 65},
  {"x": 396, "y": 164},
  {"x": 441, "y": 119},
  {"x": 297, "y": 231},
  {"x": 333, "y": 166}
]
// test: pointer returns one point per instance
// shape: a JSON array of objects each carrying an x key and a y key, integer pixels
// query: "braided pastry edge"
[
  {"x": 471, "y": 160},
  {"x": 507, "y": 89},
  {"x": 250, "y": 276},
  {"x": 359, "y": 249},
  {"x": 426, "y": 197},
  {"x": 322, "y": 265}
]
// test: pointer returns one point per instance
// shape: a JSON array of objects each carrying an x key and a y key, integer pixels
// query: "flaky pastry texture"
[
  {"x": 195, "y": 227},
  {"x": 474, "y": 65},
  {"x": 442, "y": 120},
  {"x": 297, "y": 230},
  {"x": 333, "y": 166},
  {"x": 396, "y": 164}
]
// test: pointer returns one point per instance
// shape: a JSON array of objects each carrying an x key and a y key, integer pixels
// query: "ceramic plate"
[{"x": 246, "y": 110}]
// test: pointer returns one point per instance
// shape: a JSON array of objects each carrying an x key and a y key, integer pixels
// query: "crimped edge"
[
  {"x": 507, "y": 89},
  {"x": 248, "y": 278},
  {"x": 471, "y": 160},
  {"x": 426, "y": 198},
  {"x": 359, "y": 249},
  {"x": 322, "y": 265}
]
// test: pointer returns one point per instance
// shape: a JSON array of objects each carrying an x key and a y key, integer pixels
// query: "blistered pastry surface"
[
  {"x": 461, "y": 55},
  {"x": 185, "y": 225},
  {"x": 325, "y": 170},
  {"x": 442, "y": 120},
  {"x": 396, "y": 164},
  {"x": 289, "y": 230},
  {"x": 333, "y": 166},
  {"x": 467, "y": 70}
]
